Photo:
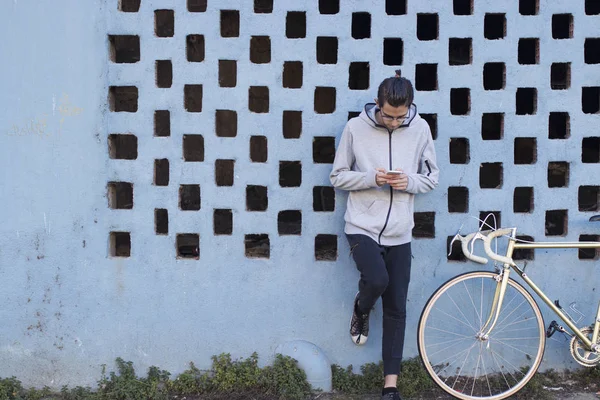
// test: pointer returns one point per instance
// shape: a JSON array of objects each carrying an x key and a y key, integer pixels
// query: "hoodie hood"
[{"x": 371, "y": 109}]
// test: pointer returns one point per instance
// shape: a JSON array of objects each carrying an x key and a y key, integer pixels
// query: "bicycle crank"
[{"x": 582, "y": 355}]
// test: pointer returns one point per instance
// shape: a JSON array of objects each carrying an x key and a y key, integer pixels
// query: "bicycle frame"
[{"x": 487, "y": 328}]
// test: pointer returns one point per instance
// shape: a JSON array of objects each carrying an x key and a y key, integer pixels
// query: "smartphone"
[{"x": 394, "y": 172}]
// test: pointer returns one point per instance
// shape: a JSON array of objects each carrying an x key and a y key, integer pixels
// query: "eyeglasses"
[{"x": 390, "y": 118}]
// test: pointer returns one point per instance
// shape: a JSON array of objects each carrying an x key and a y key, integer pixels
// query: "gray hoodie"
[{"x": 383, "y": 213}]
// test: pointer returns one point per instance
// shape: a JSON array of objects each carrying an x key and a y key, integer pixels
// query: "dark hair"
[{"x": 396, "y": 91}]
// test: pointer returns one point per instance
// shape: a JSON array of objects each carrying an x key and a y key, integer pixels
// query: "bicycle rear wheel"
[{"x": 469, "y": 367}]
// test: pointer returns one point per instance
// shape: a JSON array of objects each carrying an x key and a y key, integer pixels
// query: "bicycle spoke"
[
  {"x": 458, "y": 308},
  {"x": 473, "y": 303}
]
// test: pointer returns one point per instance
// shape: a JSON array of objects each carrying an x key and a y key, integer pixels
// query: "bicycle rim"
[{"x": 466, "y": 366}]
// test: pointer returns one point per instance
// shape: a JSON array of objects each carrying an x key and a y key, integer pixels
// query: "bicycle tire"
[{"x": 505, "y": 377}]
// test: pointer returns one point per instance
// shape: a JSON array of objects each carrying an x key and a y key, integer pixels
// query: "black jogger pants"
[{"x": 385, "y": 273}]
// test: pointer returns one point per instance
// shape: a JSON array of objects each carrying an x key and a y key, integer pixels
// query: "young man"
[{"x": 385, "y": 157}]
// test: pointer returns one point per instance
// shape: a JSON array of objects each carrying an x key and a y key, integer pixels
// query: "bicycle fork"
[
  {"x": 502, "y": 279},
  {"x": 595, "y": 344}
]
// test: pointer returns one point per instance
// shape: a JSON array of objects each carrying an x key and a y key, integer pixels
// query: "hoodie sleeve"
[
  {"x": 426, "y": 178},
  {"x": 342, "y": 176}
]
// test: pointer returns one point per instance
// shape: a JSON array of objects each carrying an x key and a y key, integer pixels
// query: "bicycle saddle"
[{"x": 595, "y": 218}]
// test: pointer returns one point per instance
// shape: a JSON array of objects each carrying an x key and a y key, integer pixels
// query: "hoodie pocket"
[
  {"x": 367, "y": 213},
  {"x": 401, "y": 219}
]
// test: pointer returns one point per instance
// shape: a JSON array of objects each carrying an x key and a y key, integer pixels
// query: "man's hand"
[
  {"x": 398, "y": 181},
  {"x": 381, "y": 178}
]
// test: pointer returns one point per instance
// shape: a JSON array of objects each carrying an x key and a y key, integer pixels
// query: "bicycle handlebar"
[{"x": 486, "y": 237}]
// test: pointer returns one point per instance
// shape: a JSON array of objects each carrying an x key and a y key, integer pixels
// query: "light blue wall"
[{"x": 66, "y": 307}]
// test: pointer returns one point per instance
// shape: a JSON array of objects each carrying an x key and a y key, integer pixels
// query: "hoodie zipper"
[{"x": 387, "y": 217}]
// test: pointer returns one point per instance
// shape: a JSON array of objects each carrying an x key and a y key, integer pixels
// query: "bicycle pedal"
[{"x": 552, "y": 328}]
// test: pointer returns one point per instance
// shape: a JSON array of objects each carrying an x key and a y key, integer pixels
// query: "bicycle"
[{"x": 481, "y": 334}]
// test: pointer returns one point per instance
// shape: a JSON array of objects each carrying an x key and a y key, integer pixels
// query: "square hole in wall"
[
  {"x": 257, "y": 246},
  {"x": 426, "y": 77},
  {"x": 327, "y": 49},
  {"x": 295, "y": 25},
  {"x": 524, "y": 254},
  {"x": 393, "y": 51},
  {"x": 258, "y": 99},
  {"x": 188, "y": 246},
  {"x": 323, "y": 198},
  {"x": 560, "y": 76},
  {"x": 224, "y": 172},
  {"x": 592, "y": 7},
  {"x": 164, "y": 23},
  {"x": 124, "y": 48},
  {"x": 427, "y": 26},
  {"x": 289, "y": 222},
  {"x": 361, "y": 25},
  {"x": 490, "y": 220},
  {"x": 323, "y": 149},
  {"x": 223, "y": 222},
  {"x": 353, "y": 114},
  {"x": 395, "y": 7},
  {"x": 556, "y": 222},
  {"x": 129, "y": 5},
  {"x": 494, "y": 76},
  {"x": 292, "y": 74},
  {"x": 523, "y": 199},
  {"x": 494, "y": 26},
  {"x": 189, "y": 197},
  {"x": 525, "y": 150},
  {"x": 161, "y": 172},
  {"x": 164, "y": 73},
  {"x": 324, "y": 100},
  {"x": 162, "y": 123},
  {"x": 458, "y": 199},
  {"x": 460, "y": 101},
  {"x": 230, "y": 23},
  {"x": 526, "y": 101},
  {"x": 196, "y": 5},
  {"x": 290, "y": 173},
  {"x": 226, "y": 123},
  {"x": 193, "y": 148},
  {"x": 490, "y": 175},
  {"x": 194, "y": 48},
  {"x": 192, "y": 96},
  {"x": 326, "y": 247},
  {"x": 462, "y": 7},
  {"x": 459, "y": 151},
  {"x": 120, "y": 244},
  {"x": 588, "y": 198},
  {"x": 431, "y": 120},
  {"x": 559, "y": 125},
  {"x": 329, "y": 6},
  {"x": 492, "y": 126},
  {"x": 529, "y": 7},
  {"x": 562, "y": 26},
  {"x": 292, "y": 124},
  {"x": 558, "y": 174},
  {"x": 591, "y": 51},
  {"x": 260, "y": 49},
  {"x": 122, "y": 147},
  {"x": 227, "y": 73},
  {"x": 454, "y": 253},
  {"x": 256, "y": 198},
  {"x": 460, "y": 51},
  {"x": 424, "y": 225},
  {"x": 588, "y": 254},
  {"x": 590, "y": 150},
  {"x": 358, "y": 76},
  {"x": 258, "y": 149},
  {"x": 263, "y": 6},
  {"x": 123, "y": 98},
  {"x": 161, "y": 221},
  {"x": 120, "y": 195},
  {"x": 529, "y": 51},
  {"x": 590, "y": 100}
]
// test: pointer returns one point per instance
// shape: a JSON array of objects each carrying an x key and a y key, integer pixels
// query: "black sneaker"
[
  {"x": 359, "y": 325},
  {"x": 391, "y": 396}
]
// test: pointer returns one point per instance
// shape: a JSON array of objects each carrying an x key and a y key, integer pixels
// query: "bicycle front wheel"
[{"x": 461, "y": 361}]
